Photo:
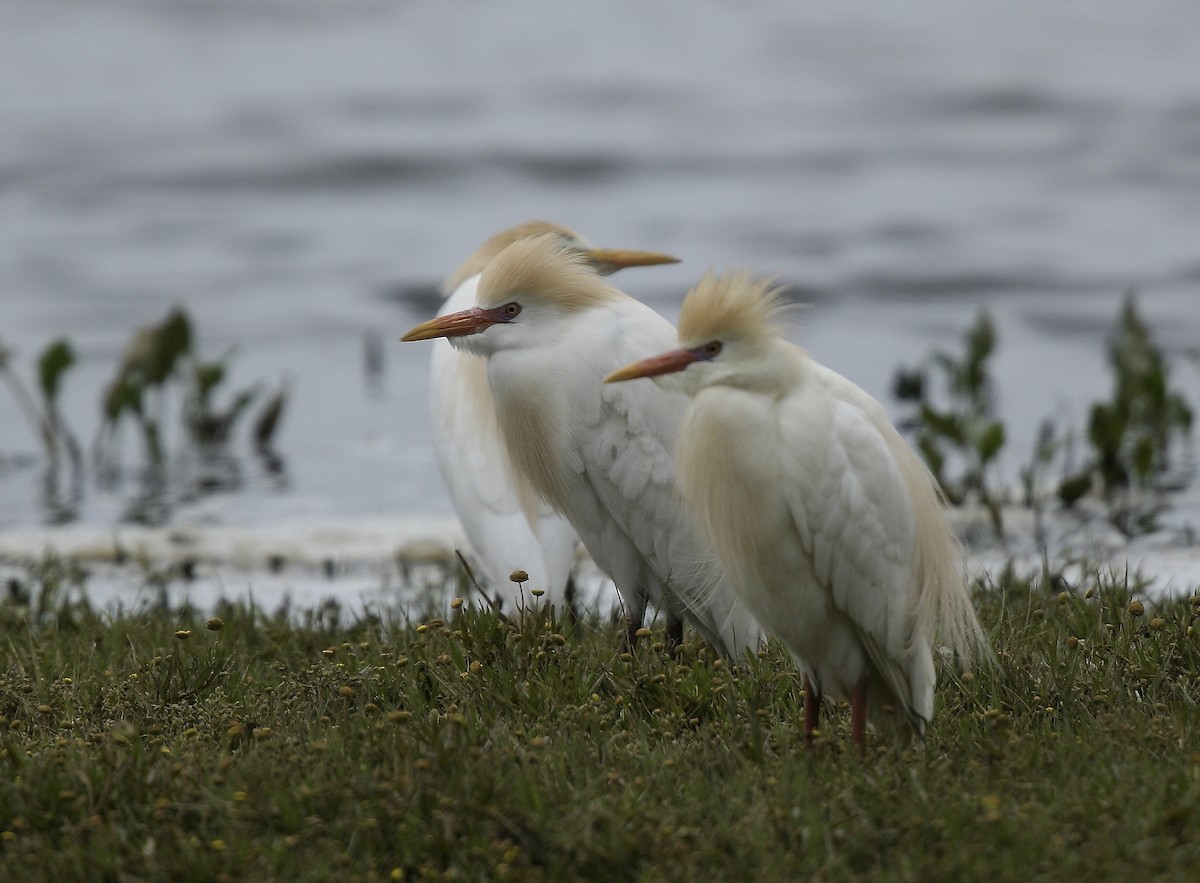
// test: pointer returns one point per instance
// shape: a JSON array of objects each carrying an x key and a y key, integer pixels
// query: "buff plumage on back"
[
  {"x": 538, "y": 268},
  {"x": 475, "y": 264},
  {"x": 733, "y": 305}
]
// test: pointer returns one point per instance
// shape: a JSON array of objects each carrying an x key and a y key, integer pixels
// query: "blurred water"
[{"x": 301, "y": 174}]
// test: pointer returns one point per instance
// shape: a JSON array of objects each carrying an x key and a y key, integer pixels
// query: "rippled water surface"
[{"x": 300, "y": 175}]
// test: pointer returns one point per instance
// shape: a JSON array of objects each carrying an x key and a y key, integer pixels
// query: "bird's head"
[
  {"x": 602, "y": 260},
  {"x": 527, "y": 291},
  {"x": 728, "y": 327}
]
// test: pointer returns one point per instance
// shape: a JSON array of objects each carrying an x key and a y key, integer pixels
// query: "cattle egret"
[
  {"x": 505, "y": 523},
  {"x": 828, "y": 525},
  {"x": 550, "y": 329}
]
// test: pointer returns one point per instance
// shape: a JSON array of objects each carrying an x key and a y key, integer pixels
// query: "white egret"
[
  {"x": 550, "y": 329},
  {"x": 828, "y": 525},
  {"x": 505, "y": 523}
]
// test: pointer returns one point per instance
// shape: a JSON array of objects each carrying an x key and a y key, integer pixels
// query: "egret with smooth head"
[
  {"x": 507, "y": 526},
  {"x": 550, "y": 329}
]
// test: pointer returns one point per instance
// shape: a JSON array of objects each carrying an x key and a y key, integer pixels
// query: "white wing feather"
[
  {"x": 628, "y": 437},
  {"x": 853, "y": 510}
]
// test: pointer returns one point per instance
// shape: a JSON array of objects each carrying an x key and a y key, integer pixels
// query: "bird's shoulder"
[{"x": 842, "y": 463}]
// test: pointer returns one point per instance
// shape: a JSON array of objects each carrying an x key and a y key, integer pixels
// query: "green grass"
[{"x": 470, "y": 748}]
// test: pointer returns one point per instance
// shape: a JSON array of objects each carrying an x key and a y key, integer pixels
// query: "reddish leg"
[
  {"x": 812, "y": 709},
  {"x": 858, "y": 716}
]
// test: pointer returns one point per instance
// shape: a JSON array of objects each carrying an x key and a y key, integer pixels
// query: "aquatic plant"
[
  {"x": 160, "y": 364},
  {"x": 1134, "y": 434},
  {"x": 1134, "y": 437},
  {"x": 45, "y": 418},
  {"x": 169, "y": 393},
  {"x": 961, "y": 438}
]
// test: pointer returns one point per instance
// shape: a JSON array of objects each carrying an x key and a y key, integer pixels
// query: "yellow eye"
[
  {"x": 713, "y": 349},
  {"x": 512, "y": 310}
]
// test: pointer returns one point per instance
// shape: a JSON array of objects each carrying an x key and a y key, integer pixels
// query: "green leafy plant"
[
  {"x": 961, "y": 438},
  {"x": 205, "y": 421},
  {"x": 140, "y": 387},
  {"x": 160, "y": 364},
  {"x": 171, "y": 395},
  {"x": 1133, "y": 434},
  {"x": 44, "y": 415}
]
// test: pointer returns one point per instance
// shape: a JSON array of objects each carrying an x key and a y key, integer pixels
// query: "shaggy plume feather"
[
  {"x": 943, "y": 611},
  {"x": 731, "y": 305},
  {"x": 539, "y": 268},
  {"x": 495, "y": 244}
]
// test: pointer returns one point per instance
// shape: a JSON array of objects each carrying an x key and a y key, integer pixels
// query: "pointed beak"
[
  {"x": 666, "y": 363},
  {"x": 609, "y": 260},
  {"x": 458, "y": 324}
]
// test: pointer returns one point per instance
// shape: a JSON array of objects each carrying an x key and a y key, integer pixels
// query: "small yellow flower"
[
  {"x": 215, "y": 624},
  {"x": 537, "y": 593},
  {"x": 519, "y": 576},
  {"x": 217, "y": 845},
  {"x": 456, "y": 603},
  {"x": 183, "y": 634},
  {"x": 1136, "y": 608}
]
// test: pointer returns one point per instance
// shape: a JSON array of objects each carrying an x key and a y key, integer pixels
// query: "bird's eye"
[
  {"x": 512, "y": 310},
  {"x": 713, "y": 348}
]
